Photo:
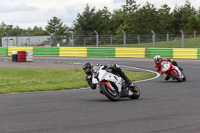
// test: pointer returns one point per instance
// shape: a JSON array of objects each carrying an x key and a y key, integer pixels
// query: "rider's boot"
[
  {"x": 180, "y": 68},
  {"x": 130, "y": 85},
  {"x": 128, "y": 82},
  {"x": 122, "y": 74}
]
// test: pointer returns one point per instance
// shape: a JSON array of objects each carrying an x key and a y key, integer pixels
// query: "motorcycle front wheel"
[
  {"x": 176, "y": 77},
  {"x": 184, "y": 77},
  {"x": 113, "y": 95},
  {"x": 136, "y": 92}
]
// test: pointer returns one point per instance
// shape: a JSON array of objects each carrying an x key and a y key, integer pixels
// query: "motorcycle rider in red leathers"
[{"x": 158, "y": 60}]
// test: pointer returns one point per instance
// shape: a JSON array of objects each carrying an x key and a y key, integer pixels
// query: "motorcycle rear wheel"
[
  {"x": 110, "y": 94},
  {"x": 136, "y": 93}
]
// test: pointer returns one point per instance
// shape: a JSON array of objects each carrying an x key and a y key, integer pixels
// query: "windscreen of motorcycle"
[
  {"x": 98, "y": 76},
  {"x": 165, "y": 65}
]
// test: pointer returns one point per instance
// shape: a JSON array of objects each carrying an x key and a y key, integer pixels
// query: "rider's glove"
[
  {"x": 88, "y": 77},
  {"x": 159, "y": 69}
]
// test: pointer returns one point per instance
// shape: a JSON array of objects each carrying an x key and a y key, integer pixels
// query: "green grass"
[
  {"x": 136, "y": 76},
  {"x": 188, "y": 43},
  {"x": 28, "y": 80}
]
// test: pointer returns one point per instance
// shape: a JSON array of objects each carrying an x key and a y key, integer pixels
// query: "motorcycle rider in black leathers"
[{"x": 88, "y": 69}]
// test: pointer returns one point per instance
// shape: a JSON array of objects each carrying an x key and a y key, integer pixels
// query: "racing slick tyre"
[
  {"x": 176, "y": 77},
  {"x": 135, "y": 91},
  {"x": 167, "y": 78},
  {"x": 113, "y": 95},
  {"x": 184, "y": 77}
]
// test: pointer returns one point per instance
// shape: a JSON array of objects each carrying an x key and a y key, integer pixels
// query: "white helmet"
[{"x": 157, "y": 59}]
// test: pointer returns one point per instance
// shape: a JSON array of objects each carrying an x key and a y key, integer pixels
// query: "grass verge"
[
  {"x": 37, "y": 79},
  {"x": 188, "y": 43}
]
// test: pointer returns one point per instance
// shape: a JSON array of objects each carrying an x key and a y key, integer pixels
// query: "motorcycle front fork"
[{"x": 178, "y": 70}]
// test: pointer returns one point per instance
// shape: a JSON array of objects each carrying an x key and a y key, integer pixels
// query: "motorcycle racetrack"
[{"x": 163, "y": 107}]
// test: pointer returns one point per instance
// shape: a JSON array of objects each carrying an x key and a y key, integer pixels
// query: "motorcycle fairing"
[
  {"x": 123, "y": 93},
  {"x": 104, "y": 75},
  {"x": 108, "y": 85}
]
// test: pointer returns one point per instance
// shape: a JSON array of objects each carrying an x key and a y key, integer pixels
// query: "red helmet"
[{"x": 157, "y": 59}]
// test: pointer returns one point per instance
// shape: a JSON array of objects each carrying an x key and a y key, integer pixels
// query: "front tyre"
[
  {"x": 113, "y": 95},
  {"x": 135, "y": 92},
  {"x": 184, "y": 78},
  {"x": 176, "y": 77}
]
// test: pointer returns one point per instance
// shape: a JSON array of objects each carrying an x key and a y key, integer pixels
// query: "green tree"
[
  {"x": 165, "y": 19},
  {"x": 38, "y": 31},
  {"x": 17, "y": 31},
  {"x": 146, "y": 19},
  {"x": 193, "y": 23},
  {"x": 90, "y": 20},
  {"x": 11, "y": 30},
  {"x": 3, "y": 29},
  {"x": 102, "y": 18},
  {"x": 129, "y": 16},
  {"x": 181, "y": 16},
  {"x": 84, "y": 23},
  {"x": 117, "y": 22},
  {"x": 56, "y": 26},
  {"x": 58, "y": 29},
  {"x": 130, "y": 7}
]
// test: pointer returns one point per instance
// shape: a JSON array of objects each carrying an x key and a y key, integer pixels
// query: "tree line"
[{"x": 131, "y": 18}]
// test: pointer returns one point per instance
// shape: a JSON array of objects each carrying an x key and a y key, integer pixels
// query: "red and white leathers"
[{"x": 158, "y": 65}]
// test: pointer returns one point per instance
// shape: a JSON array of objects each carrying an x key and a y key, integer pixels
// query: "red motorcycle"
[{"x": 172, "y": 71}]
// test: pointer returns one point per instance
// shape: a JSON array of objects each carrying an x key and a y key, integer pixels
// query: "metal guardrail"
[{"x": 98, "y": 40}]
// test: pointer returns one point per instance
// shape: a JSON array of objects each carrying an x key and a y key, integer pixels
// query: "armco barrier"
[
  {"x": 182, "y": 53},
  {"x": 100, "y": 52},
  {"x": 185, "y": 53},
  {"x": 10, "y": 49},
  {"x": 163, "y": 52},
  {"x": 46, "y": 51},
  {"x": 130, "y": 52},
  {"x": 74, "y": 52},
  {"x": 3, "y": 51},
  {"x": 198, "y": 54}
]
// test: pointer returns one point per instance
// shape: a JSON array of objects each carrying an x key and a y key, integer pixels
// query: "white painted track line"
[{"x": 157, "y": 74}]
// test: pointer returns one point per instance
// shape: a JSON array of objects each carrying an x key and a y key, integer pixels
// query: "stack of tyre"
[
  {"x": 22, "y": 56},
  {"x": 14, "y": 55},
  {"x": 29, "y": 55}
]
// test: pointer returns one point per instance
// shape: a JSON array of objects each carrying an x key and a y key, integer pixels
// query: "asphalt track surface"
[{"x": 164, "y": 106}]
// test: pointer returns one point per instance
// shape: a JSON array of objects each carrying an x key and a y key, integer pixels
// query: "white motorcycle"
[{"x": 112, "y": 85}]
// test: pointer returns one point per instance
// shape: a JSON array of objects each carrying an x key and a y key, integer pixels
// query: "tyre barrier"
[
  {"x": 29, "y": 56},
  {"x": 14, "y": 56},
  {"x": 22, "y": 56}
]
